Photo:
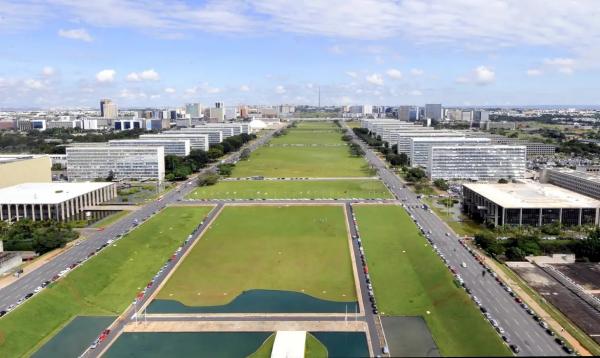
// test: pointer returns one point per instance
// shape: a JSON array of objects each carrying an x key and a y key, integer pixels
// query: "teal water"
[
  {"x": 194, "y": 344},
  {"x": 260, "y": 301},
  {"x": 344, "y": 344},
  {"x": 75, "y": 337}
]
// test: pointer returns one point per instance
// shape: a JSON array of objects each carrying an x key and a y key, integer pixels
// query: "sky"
[{"x": 71, "y": 53}]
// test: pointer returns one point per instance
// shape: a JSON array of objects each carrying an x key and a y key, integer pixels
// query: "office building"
[
  {"x": 481, "y": 118},
  {"x": 489, "y": 125},
  {"x": 478, "y": 163},
  {"x": 18, "y": 169},
  {"x": 433, "y": 112},
  {"x": 531, "y": 204},
  {"x": 177, "y": 147},
  {"x": 108, "y": 109},
  {"x": 195, "y": 110},
  {"x": 52, "y": 201},
  {"x": 127, "y": 124},
  {"x": 420, "y": 147},
  {"x": 215, "y": 135},
  {"x": 122, "y": 163},
  {"x": 403, "y": 138},
  {"x": 585, "y": 183},
  {"x": 534, "y": 149},
  {"x": 197, "y": 140}
]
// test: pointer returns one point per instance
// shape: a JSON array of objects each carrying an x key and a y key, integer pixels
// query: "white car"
[{"x": 38, "y": 289}]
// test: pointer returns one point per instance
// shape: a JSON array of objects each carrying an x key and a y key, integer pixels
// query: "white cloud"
[
  {"x": 416, "y": 71},
  {"x": 244, "y": 88},
  {"x": 48, "y": 71},
  {"x": 394, "y": 73},
  {"x": 280, "y": 89},
  {"x": 170, "y": 90},
  {"x": 415, "y": 93},
  {"x": 75, "y": 34},
  {"x": 563, "y": 65},
  {"x": 375, "y": 79},
  {"x": 147, "y": 75},
  {"x": 352, "y": 74},
  {"x": 534, "y": 72},
  {"x": 106, "y": 76},
  {"x": 33, "y": 84},
  {"x": 484, "y": 75}
]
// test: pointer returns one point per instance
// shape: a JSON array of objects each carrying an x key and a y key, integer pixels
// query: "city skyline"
[{"x": 64, "y": 53}]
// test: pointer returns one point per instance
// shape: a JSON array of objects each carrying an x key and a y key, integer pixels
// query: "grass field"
[
  {"x": 305, "y": 161},
  {"x": 312, "y": 162},
  {"x": 309, "y": 189},
  {"x": 413, "y": 282},
  {"x": 105, "y": 285},
  {"x": 292, "y": 248},
  {"x": 313, "y": 348}
]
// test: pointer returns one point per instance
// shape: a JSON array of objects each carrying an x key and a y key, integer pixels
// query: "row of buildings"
[
  {"x": 458, "y": 154},
  {"x": 143, "y": 158}
]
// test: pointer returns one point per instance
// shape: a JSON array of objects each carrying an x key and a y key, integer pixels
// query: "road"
[
  {"x": 27, "y": 283},
  {"x": 519, "y": 326}
]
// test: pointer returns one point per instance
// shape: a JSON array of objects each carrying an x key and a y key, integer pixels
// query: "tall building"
[
  {"x": 195, "y": 110},
  {"x": 108, "y": 109},
  {"x": 481, "y": 118},
  {"x": 433, "y": 112},
  {"x": 420, "y": 147},
  {"x": 197, "y": 140},
  {"x": 178, "y": 147},
  {"x": 578, "y": 181},
  {"x": 404, "y": 113},
  {"x": 89, "y": 163},
  {"x": 481, "y": 163}
]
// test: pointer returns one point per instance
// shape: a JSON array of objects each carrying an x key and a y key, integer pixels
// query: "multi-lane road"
[
  {"x": 520, "y": 327},
  {"x": 26, "y": 284}
]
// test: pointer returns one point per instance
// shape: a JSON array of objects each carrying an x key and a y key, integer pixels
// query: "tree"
[
  {"x": 441, "y": 184},
  {"x": 415, "y": 175},
  {"x": 38, "y": 236},
  {"x": 502, "y": 181},
  {"x": 199, "y": 158},
  {"x": 346, "y": 138},
  {"x": 515, "y": 254},
  {"x": 207, "y": 179},
  {"x": 215, "y": 153},
  {"x": 57, "y": 166},
  {"x": 111, "y": 176},
  {"x": 225, "y": 169}
]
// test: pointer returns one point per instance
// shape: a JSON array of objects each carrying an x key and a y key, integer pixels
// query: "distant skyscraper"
[
  {"x": 433, "y": 112},
  {"x": 194, "y": 110},
  {"x": 404, "y": 113},
  {"x": 108, "y": 109}
]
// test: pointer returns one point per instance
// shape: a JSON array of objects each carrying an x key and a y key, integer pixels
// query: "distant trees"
[
  {"x": 38, "y": 236},
  {"x": 441, "y": 184},
  {"x": 207, "y": 179},
  {"x": 415, "y": 175},
  {"x": 225, "y": 169}
]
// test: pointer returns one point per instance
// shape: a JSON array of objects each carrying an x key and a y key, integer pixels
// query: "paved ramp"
[{"x": 289, "y": 344}]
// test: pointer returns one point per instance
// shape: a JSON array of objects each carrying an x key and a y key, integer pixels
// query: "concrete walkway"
[{"x": 246, "y": 326}]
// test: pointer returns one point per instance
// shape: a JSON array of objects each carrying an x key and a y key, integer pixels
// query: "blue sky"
[{"x": 66, "y": 53}]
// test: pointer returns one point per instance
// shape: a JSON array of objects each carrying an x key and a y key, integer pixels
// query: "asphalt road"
[
  {"x": 519, "y": 326},
  {"x": 27, "y": 283}
]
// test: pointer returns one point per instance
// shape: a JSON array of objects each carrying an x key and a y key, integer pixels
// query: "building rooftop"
[
  {"x": 46, "y": 193},
  {"x": 594, "y": 177},
  {"x": 450, "y": 139},
  {"x": 9, "y": 158},
  {"x": 532, "y": 195}
]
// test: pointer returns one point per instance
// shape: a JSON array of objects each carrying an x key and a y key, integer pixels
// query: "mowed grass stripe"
[
  {"x": 290, "y": 248},
  {"x": 409, "y": 280},
  {"x": 104, "y": 285},
  {"x": 311, "y": 189}
]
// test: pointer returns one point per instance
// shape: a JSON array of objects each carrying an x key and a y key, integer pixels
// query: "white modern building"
[
  {"x": 124, "y": 163},
  {"x": 52, "y": 201},
  {"x": 404, "y": 137},
  {"x": 433, "y": 112},
  {"x": 420, "y": 147},
  {"x": 478, "y": 163},
  {"x": 531, "y": 204},
  {"x": 215, "y": 135},
  {"x": 585, "y": 183},
  {"x": 178, "y": 147},
  {"x": 197, "y": 141}
]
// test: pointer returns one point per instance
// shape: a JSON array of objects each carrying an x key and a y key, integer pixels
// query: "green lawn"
[
  {"x": 292, "y": 248},
  {"x": 305, "y": 161},
  {"x": 313, "y": 349},
  {"x": 310, "y": 189},
  {"x": 312, "y": 162},
  {"x": 105, "y": 285},
  {"x": 409, "y": 279}
]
